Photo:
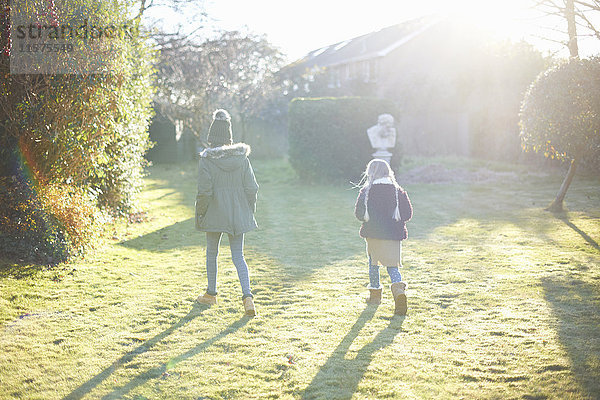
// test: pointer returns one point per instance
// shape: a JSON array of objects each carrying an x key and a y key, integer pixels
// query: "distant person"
[
  {"x": 384, "y": 208},
  {"x": 225, "y": 203}
]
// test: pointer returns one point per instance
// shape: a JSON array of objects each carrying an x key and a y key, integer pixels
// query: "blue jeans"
[
  {"x": 374, "y": 275},
  {"x": 236, "y": 243}
]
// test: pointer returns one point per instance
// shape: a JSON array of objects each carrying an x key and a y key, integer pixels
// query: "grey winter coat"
[{"x": 227, "y": 190}]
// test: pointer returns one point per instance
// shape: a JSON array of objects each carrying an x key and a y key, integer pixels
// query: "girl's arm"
[
  {"x": 405, "y": 206},
  {"x": 205, "y": 191},
  {"x": 359, "y": 207},
  {"x": 250, "y": 186}
]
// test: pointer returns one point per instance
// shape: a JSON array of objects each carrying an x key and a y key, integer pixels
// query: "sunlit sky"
[{"x": 297, "y": 27}]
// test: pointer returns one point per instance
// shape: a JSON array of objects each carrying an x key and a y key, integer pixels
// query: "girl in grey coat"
[{"x": 225, "y": 203}]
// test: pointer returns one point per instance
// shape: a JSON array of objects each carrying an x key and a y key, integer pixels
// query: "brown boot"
[
  {"x": 398, "y": 291},
  {"x": 249, "y": 309},
  {"x": 374, "y": 296},
  {"x": 207, "y": 299}
]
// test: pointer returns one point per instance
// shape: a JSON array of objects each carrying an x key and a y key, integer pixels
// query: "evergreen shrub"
[
  {"x": 72, "y": 145},
  {"x": 560, "y": 115},
  {"x": 328, "y": 136}
]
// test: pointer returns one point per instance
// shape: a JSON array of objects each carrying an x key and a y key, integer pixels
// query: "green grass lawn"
[{"x": 504, "y": 301}]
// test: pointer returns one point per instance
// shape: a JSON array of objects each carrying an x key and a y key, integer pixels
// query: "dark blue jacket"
[{"x": 382, "y": 204}]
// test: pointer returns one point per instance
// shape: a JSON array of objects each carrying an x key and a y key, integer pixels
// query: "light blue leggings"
[
  {"x": 374, "y": 275},
  {"x": 236, "y": 243}
]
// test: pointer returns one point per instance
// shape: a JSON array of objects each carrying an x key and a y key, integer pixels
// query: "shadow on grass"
[
  {"x": 158, "y": 371},
  {"x": 576, "y": 305},
  {"x": 564, "y": 218},
  {"x": 102, "y": 376},
  {"x": 339, "y": 377},
  {"x": 178, "y": 235},
  {"x": 15, "y": 270}
]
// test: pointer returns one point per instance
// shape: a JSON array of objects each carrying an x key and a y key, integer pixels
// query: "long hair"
[{"x": 377, "y": 169}]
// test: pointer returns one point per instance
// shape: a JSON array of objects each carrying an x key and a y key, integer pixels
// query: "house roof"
[{"x": 365, "y": 47}]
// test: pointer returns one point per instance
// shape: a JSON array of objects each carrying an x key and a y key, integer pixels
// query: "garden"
[
  {"x": 115, "y": 153},
  {"x": 503, "y": 298}
]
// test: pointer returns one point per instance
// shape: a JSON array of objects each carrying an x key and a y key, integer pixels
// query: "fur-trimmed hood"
[
  {"x": 236, "y": 149},
  {"x": 228, "y": 157}
]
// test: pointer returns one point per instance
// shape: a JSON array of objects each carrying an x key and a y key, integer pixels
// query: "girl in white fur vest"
[{"x": 384, "y": 208}]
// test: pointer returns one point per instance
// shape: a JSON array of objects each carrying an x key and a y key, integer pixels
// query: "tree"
[
  {"x": 243, "y": 68},
  {"x": 183, "y": 83},
  {"x": 559, "y": 117},
  {"x": 578, "y": 14},
  {"x": 171, "y": 33},
  {"x": 234, "y": 71}
]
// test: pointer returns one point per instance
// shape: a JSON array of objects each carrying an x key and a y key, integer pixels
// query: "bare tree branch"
[
  {"x": 231, "y": 71},
  {"x": 594, "y": 5},
  {"x": 561, "y": 42},
  {"x": 576, "y": 14},
  {"x": 587, "y": 24}
]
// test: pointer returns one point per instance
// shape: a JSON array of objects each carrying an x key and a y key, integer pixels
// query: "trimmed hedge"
[{"x": 328, "y": 136}]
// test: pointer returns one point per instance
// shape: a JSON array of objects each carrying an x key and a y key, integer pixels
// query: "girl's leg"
[
  {"x": 374, "y": 275},
  {"x": 236, "y": 244},
  {"x": 394, "y": 274},
  {"x": 213, "y": 239},
  {"x": 374, "y": 287},
  {"x": 393, "y": 271}
]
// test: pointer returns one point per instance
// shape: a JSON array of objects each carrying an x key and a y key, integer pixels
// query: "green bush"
[
  {"x": 47, "y": 225},
  {"x": 28, "y": 233},
  {"x": 167, "y": 146},
  {"x": 163, "y": 136},
  {"x": 72, "y": 144},
  {"x": 559, "y": 114},
  {"x": 117, "y": 174},
  {"x": 328, "y": 136}
]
